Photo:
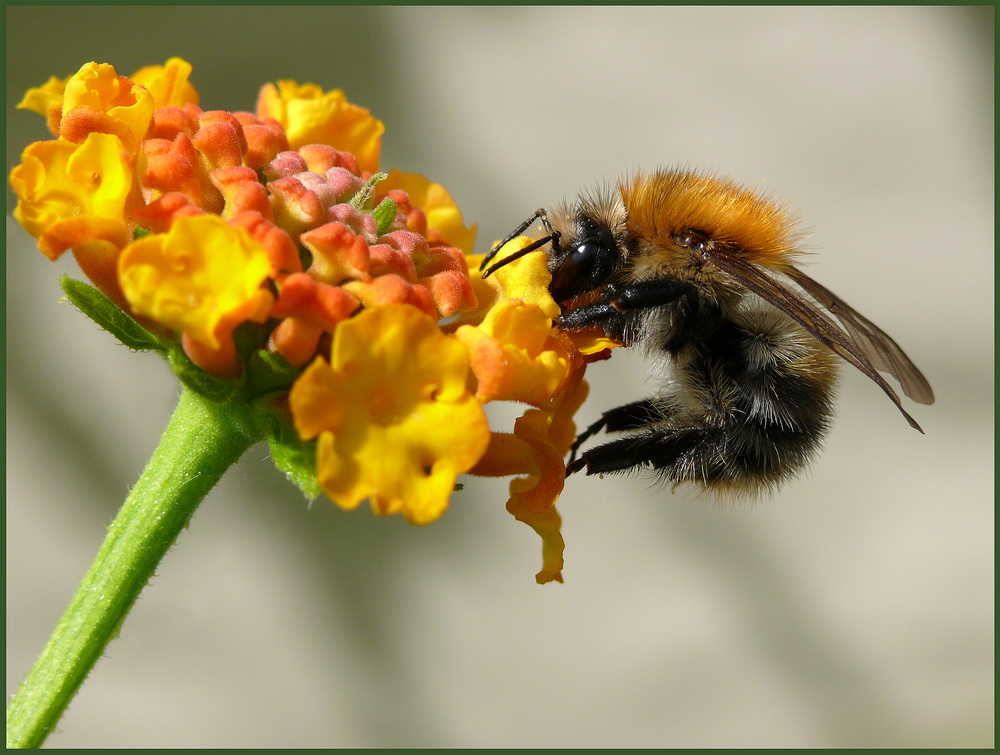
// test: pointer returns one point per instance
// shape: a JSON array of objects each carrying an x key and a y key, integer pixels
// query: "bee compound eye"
[{"x": 588, "y": 264}]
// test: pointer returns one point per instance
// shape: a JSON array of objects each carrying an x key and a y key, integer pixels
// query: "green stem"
[{"x": 201, "y": 442}]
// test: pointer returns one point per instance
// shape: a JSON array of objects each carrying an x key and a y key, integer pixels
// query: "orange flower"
[
  {"x": 515, "y": 355},
  {"x": 536, "y": 450},
  {"x": 443, "y": 216}
]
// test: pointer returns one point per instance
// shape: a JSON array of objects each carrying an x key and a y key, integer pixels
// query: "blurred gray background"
[{"x": 855, "y": 608}]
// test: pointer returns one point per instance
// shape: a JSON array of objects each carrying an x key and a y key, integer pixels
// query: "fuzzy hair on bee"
[{"x": 699, "y": 273}]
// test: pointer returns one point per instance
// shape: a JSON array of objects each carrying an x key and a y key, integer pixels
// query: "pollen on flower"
[{"x": 270, "y": 248}]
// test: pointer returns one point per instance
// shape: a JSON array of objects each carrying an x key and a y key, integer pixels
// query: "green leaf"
[
  {"x": 295, "y": 457},
  {"x": 360, "y": 200},
  {"x": 110, "y": 316},
  {"x": 199, "y": 381},
  {"x": 384, "y": 214}
]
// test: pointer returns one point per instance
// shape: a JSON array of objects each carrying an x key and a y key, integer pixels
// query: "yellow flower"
[
  {"x": 392, "y": 415},
  {"x": 515, "y": 354},
  {"x": 68, "y": 193},
  {"x": 442, "y": 213},
  {"x": 168, "y": 84},
  {"x": 535, "y": 450},
  {"x": 46, "y": 100},
  {"x": 98, "y": 99},
  {"x": 527, "y": 279},
  {"x": 311, "y": 116},
  {"x": 202, "y": 278}
]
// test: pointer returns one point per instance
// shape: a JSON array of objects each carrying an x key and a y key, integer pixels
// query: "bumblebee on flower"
[{"x": 271, "y": 262}]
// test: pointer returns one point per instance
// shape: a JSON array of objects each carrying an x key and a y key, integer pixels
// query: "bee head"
[{"x": 585, "y": 259}]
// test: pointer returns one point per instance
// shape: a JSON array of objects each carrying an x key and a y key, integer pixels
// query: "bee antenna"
[
  {"x": 536, "y": 215},
  {"x": 553, "y": 237}
]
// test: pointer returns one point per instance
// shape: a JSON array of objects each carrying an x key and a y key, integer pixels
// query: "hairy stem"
[{"x": 201, "y": 442}]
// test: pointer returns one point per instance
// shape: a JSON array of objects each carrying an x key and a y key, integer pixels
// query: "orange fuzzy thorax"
[{"x": 668, "y": 202}]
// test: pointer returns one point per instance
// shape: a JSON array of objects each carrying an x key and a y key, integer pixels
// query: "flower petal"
[
  {"x": 311, "y": 116},
  {"x": 201, "y": 278},
  {"x": 443, "y": 215},
  {"x": 394, "y": 419},
  {"x": 168, "y": 84},
  {"x": 58, "y": 181},
  {"x": 97, "y": 99}
]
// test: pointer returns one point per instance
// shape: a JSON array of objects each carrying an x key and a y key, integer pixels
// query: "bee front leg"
[{"x": 617, "y": 299}]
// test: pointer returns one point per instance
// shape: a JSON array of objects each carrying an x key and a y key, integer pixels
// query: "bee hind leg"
[
  {"x": 628, "y": 417},
  {"x": 660, "y": 450}
]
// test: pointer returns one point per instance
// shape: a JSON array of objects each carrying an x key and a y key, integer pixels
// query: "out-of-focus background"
[{"x": 853, "y": 609}]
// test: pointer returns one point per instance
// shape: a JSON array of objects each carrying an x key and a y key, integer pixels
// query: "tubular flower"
[
  {"x": 440, "y": 215},
  {"x": 271, "y": 263}
]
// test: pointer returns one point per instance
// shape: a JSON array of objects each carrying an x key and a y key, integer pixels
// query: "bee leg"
[
  {"x": 627, "y": 417},
  {"x": 658, "y": 450},
  {"x": 618, "y": 299},
  {"x": 580, "y": 440}
]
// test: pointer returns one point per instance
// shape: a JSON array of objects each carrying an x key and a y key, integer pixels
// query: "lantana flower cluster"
[{"x": 271, "y": 262}]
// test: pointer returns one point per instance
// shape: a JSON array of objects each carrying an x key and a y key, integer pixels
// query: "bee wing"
[
  {"x": 883, "y": 352},
  {"x": 846, "y": 333}
]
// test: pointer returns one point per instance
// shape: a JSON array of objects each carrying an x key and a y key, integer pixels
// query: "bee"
[{"x": 698, "y": 271}]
